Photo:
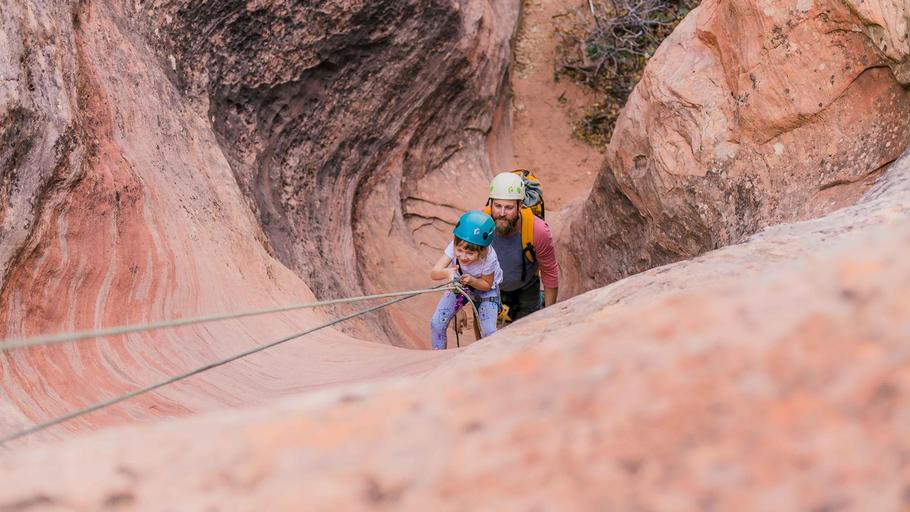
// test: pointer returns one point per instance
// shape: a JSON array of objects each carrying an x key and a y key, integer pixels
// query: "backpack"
[
  {"x": 533, "y": 205},
  {"x": 533, "y": 192}
]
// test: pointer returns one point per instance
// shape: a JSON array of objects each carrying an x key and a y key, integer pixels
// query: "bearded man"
[{"x": 527, "y": 261}]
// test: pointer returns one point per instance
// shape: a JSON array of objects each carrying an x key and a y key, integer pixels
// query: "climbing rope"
[
  {"x": 12, "y": 344},
  {"x": 107, "y": 403}
]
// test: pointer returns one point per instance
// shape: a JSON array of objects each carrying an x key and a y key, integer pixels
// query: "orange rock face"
[
  {"x": 163, "y": 159},
  {"x": 357, "y": 131},
  {"x": 121, "y": 206},
  {"x": 772, "y": 374},
  {"x": 749, "y": 114}
]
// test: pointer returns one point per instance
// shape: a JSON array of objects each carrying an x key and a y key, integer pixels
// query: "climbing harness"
[
  {"x": 463, "y": 298},
  {"x": 48, "y": 340}
]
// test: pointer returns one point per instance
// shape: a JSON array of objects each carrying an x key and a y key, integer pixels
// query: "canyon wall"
[
  {"x": 772, "y": 374},
  {"x": 749, "y": 114},
  {"x": 357, "y": 131},
  {"x": 129, "y": 194}
]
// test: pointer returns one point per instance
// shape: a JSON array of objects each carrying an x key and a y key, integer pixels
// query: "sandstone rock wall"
[
  {"x": 768, "y": 375},
  {"x": 887, "y": 23},
  {"x": 749, "y": 114},
  {"x": 120, "y": 206},
  {"x": 352, "y": 128},
  {"x": 164, "y": 159},
  {"x": 37, "y": 130}
]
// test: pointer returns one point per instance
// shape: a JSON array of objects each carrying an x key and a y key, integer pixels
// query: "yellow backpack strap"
[
  {"x": 527, "y": 242},
  {"x": 487, "y": 210},
  {"x": 527, "y": 234}
]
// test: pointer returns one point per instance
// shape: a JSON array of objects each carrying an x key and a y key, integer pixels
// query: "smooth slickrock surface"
[
  {"x": 121, "y": 207},
  {"x": 771, "y": 375},
  {"x": 163, "y": 159}
]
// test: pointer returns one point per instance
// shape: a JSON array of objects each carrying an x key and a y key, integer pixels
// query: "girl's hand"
[
  {"x": 466, "y": 280},
  {"x": 456, "y": 273},
  {"x": 444, "y": 268}
]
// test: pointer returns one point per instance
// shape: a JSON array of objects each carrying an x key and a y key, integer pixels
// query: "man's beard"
[{"x": 505, "y": 226}]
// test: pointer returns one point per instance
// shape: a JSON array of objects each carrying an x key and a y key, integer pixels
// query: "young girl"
[{"x": 470, "y": 259}]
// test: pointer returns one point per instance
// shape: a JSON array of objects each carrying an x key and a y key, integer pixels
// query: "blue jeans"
[{"x": 445, "y": 310}]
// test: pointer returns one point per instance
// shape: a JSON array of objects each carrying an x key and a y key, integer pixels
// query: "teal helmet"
[{"x": 475, "y": 227}]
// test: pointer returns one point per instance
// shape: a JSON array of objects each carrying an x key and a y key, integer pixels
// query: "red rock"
[
  {"x": 885, "y": 22},
  {"x": 749, "y": 114},
  {"x": 771, "y": 374},
  {"x": 133, "y": 214},
  {"x": 357, "y": 131}
]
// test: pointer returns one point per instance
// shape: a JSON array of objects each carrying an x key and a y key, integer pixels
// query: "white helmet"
[{"x": 507, "y": 185}]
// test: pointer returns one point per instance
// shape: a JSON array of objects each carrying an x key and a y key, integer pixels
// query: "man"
[{"x": 523, "y": 268}]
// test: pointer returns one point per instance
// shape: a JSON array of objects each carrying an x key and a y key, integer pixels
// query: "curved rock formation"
[
  {"x": 717, "y": 383},
  {"x": 749, "y": 114},
  {"x": 358, "y": 131},
  {"x": 120, "y": 205},
  {"x": 163, "y": 159}
]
